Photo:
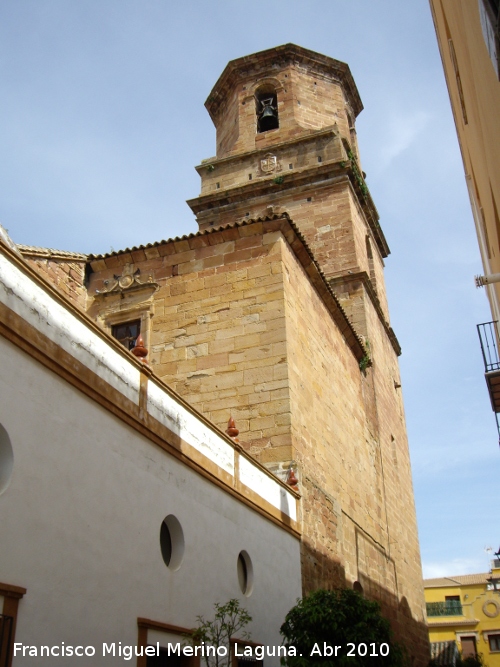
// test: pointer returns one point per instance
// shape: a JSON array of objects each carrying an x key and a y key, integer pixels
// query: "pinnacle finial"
[
  {"x": 231, "y": 430},
  {"x": 292, "y": 480},
  {"x": 139, "y": 350}
]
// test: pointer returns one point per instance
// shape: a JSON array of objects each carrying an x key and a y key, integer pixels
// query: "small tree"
[
  {"x": 229, "y": 619},
  {"x": 341, "y": 618}
]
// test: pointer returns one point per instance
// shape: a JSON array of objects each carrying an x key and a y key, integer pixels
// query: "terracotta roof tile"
[
  {"x": 38, "y": 251},
  {"x": 205, "y": 232},
  {"x": 460, "y": 580}
]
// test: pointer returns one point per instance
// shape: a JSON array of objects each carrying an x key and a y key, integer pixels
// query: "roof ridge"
[
  {"x": 40, "y": 250},
  {"x": 457, "y": 579},
  {"x": 192, "y": 235}
]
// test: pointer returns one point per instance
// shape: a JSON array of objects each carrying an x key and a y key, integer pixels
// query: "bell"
[
  {"x": 268, "y": 111},
  {"x": 268, "y": 118}
]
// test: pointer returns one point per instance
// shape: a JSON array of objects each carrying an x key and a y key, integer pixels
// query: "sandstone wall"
[
  {"x": 218, "y": 331},
  {"x": 67, "y": 275},
  {"x": 349, "y": 439}
]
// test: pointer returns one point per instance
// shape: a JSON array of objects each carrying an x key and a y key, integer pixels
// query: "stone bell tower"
[{"x": 286, "y": 142}]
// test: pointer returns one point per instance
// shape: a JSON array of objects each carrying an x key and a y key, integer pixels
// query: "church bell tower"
[
  {"x": 286, "y": 142},
  {"x": 287, "y": 147}
]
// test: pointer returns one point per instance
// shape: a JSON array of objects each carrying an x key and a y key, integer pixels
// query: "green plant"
[
  {"x": 229, "y": 619},
  {"x": 210, "y": 167},
  {"x": 365, "y": 362},
  {"x": 357, "y": 174},
  {"x": 340, "y": 618},
  {"x": 278, "y": 180}
]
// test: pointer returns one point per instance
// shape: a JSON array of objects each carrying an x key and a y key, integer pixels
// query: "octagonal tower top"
[{"x": 280, "y": 94}]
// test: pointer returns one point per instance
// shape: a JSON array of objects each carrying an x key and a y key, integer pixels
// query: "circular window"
[
  {"x": 6, "y": 459},
  {"x": 491, "y": 608},
  {"x": 245, "y": 573},
  {"x": 172, "y": 542}
]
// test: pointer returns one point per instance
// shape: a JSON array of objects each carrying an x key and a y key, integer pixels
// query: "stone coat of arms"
[{"x": 269, "y": 164}]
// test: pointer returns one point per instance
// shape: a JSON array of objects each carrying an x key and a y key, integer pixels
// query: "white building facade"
[{"x": 124, "y": 514}]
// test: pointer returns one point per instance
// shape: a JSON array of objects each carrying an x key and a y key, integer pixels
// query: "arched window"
[
  {"x": 266, "y": 108},
  {"x": 357, "y": 587}
]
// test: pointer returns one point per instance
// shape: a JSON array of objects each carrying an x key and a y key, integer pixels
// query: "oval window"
[
  {"x": 6, "y": 459},
  {"x": 245, "y": 573},
  {"x": 172, "y": 542}
]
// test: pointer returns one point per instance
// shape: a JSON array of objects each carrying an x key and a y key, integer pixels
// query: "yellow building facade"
[
  {"x": 463, "y": 615},
  {"x": 468, "y": 38}
]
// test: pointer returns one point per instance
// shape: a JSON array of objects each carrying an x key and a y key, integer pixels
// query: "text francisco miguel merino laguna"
[{"x": 127, "y": 652}]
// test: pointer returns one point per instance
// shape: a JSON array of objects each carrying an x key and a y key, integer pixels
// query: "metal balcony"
[
  {"x": 448, "y": 608},
  {"x": 489, "y": 338}
]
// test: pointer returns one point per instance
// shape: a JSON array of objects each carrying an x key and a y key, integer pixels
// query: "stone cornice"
[
  {"x": 317, "y": 176},
  {"x": 36, "y": 252},
  {"x": 449, "y": 623},
  {"x": 364, "y": 278},
  {"x": 306, "y": 135}
]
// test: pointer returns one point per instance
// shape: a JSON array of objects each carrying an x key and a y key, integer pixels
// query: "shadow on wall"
[{"x": 321, "y": 571}]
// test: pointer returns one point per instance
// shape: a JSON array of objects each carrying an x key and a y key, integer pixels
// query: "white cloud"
[{"x": 402, "y": 131}]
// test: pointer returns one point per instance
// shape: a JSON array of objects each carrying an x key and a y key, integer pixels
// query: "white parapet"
[
  {"x": 190, "y": 428},
  {"x": 37, "y": 307}
]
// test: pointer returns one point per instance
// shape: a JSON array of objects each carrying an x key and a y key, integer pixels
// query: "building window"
[
  {"x": 494, "y": 642},
  {"x": 468, "y": 647},
  {"x": 489, "y": 12},
  {"x": 6, "y": 460},
  {"x": 452, "y": 604},
  {"x": 451, "y": 607},
  {"x": 172, "y": 542},
  {"x": 245, "y": 573},
  {"x": 6, "y": 623},
  {"x": 357, "y": 587},
  {"x": 266, "y": 108},
  {"x": 126, "y": 333},
  {"x": 8, "y": 619}
]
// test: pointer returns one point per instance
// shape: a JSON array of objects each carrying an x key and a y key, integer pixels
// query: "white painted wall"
[
  {"x": 47, "y": 315},
  {"x": 80, "y": 524}
]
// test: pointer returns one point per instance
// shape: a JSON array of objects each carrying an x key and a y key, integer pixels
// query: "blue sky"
[{"x": 102, "y": 121}]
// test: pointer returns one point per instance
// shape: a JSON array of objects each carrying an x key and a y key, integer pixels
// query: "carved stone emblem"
[
  {"x": 129, "y": 278},
  {"x": 269, "y": 164}
]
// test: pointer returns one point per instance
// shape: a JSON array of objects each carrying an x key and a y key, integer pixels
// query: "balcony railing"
[
  {"x": 448, "y": 608},
  {"x": 489, "y": 338},
  {"x": 488, "y": 335}
]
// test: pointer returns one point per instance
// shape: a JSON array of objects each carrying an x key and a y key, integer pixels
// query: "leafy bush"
[{"x": 339, "y": 618}]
